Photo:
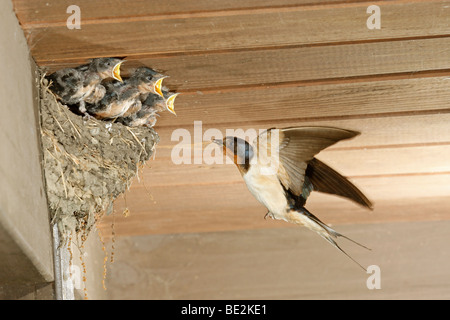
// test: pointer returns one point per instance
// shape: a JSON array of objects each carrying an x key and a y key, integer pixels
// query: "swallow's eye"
[{"x": 149, "y": 78}]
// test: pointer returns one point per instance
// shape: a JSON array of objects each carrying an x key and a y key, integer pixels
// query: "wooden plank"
[
  {"x": 376, "y": 132},
  {"x": 391, "y": 161},
  {"x": 284, "y": 264},
  {"x": 350, "y": 163},
  {"x": 32, "y": 12},
  {"x": 269, "y": 105},
  {"x": 238, "y": 30},
  {"x": 264, "y": 67},
  {"x": 203, "y": 208},
  {"x": 219, "y": 196}
]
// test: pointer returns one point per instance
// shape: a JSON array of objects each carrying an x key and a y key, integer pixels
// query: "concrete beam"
[{"x": 25, "y": 237}]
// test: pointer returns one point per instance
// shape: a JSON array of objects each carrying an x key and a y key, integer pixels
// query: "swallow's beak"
[
  {"x": 217, "y": 141},
  {"x": 116, "y": 71},
  {"x": 170, "y": 103},
  {"x": 158, "y": 85}
]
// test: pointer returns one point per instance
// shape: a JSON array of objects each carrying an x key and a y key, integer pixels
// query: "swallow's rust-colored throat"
[{"x": 242, "y": 164}]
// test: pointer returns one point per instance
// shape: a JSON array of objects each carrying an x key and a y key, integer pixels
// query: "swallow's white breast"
[{"x": 267, "y": 189}]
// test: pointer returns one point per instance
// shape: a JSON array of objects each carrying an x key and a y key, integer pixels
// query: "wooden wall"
[{"x": 259, "y": 64}]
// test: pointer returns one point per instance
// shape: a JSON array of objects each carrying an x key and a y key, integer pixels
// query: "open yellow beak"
[
  {"x": 170, "y": 103},
  {"x": 116, "y": 71},
  {"x": 158, "y": 86}
]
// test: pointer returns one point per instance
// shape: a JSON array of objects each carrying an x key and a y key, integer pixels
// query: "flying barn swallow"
[
  {"x": 123, "y": 99},
  {"x": 280, "y": 170},
  {"x": 82, "y": 84},
  {"x": 151, "y": 106}
]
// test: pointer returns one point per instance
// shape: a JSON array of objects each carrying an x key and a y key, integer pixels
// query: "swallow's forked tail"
[{"x": 304, "y": 217}]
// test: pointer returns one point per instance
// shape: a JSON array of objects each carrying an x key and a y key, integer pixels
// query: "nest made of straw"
[{"x": 87, "y": 163}]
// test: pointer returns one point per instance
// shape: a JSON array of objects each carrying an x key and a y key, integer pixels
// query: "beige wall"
[
  {"x": 23, "y": 207},
  {"x": 288, "y": 263}
]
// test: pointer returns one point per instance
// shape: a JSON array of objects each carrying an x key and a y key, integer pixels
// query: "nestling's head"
[
  {"x": 149, "y": 80},
  {"x": 108, "y": 67}
]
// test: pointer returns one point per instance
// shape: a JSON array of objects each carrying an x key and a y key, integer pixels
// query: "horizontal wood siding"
[{"x": 260, "y": 64}]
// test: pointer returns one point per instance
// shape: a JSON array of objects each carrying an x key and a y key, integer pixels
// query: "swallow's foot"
[{"x": 268, "y": 214}]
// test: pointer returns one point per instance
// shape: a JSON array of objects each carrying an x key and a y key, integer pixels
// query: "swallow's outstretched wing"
[
  {"x": 291, "y": 149},
  {"x": 320, "y": 177}
]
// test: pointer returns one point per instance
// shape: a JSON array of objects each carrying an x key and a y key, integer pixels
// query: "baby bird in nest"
[
  {"x": 152, "y": 104},
  {"x": 81, "y": 85},
  {"x": 123, "y": 99}
]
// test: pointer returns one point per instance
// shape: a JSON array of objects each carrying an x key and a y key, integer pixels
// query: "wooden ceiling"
[{"x": 263, "y": 63}]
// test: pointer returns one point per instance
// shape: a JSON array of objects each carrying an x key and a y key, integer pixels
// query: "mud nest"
[{"x": 87, "y": 163}]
